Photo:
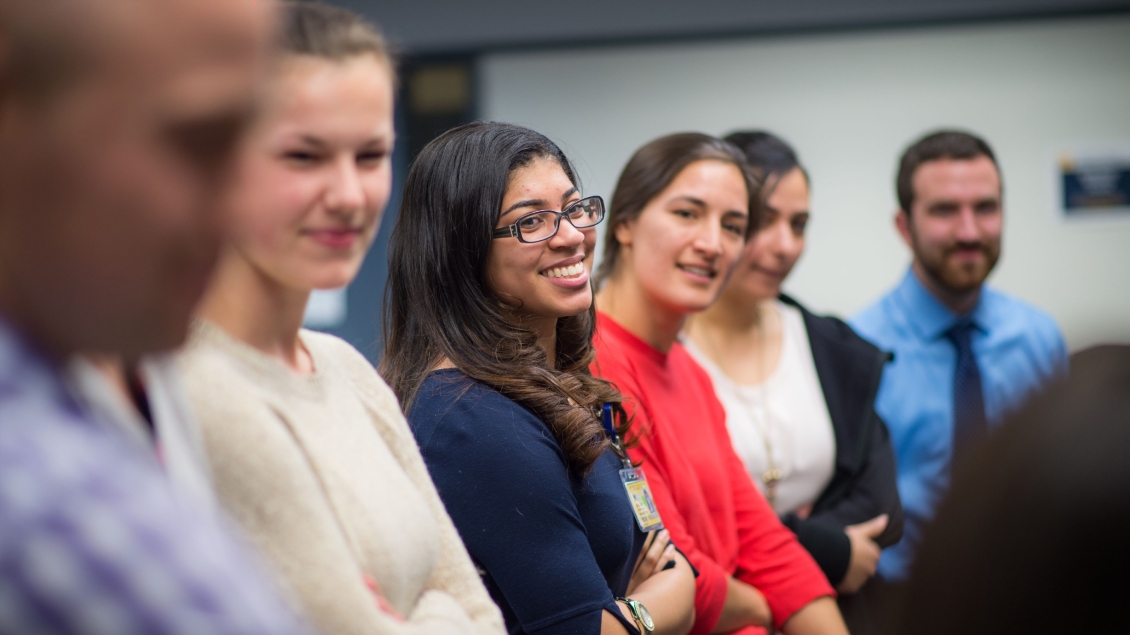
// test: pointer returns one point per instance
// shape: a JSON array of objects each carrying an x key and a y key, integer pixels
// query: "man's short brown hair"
[{"x": 943, "y": 144}]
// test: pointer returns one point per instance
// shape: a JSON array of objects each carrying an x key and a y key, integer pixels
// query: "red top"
[{"x": 713, "y": 511}]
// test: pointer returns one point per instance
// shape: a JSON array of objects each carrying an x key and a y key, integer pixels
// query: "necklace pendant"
[{"x": 771, "y": 477}]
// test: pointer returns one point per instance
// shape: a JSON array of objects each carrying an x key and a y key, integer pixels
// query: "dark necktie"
[{"x": 968, "y": 403}]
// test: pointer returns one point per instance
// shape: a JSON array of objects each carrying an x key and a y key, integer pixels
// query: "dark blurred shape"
[
  {"x": 439, "y": 94},
  {"x": 1033, "y": 535}
]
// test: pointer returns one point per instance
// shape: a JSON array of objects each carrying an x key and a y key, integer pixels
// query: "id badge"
[{"x": 639, "y": 493}]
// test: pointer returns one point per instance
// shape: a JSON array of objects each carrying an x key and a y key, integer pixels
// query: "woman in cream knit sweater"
[{"x": 308, "y": 446}]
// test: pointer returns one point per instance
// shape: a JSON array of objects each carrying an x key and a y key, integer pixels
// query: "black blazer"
[{"x": 863, "y": 483}]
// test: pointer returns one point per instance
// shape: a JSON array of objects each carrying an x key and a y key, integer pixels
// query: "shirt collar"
[
  {"x": 929, "y": 318},
  {"x": 25, "y": 369}
]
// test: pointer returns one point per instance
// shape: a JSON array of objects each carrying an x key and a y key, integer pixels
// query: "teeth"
[
  {"x": 571, "y": 271},
  {"x": 698, "y": 271}
]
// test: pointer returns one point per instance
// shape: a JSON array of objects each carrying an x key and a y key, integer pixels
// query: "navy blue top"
[{"x": 554, "y": 550}]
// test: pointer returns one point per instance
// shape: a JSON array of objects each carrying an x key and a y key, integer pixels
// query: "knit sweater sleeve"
[
  {"x": 284, "y": 514},
  {"x": 455, "y": 586}
]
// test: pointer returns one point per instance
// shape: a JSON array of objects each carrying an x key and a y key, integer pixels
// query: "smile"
[
  {"x": 705, "y": 272},
  {"x": 572, "y": 271},
  {"x": 335, "y": 238}
]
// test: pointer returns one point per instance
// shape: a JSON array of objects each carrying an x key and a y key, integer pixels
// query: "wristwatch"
[{"x": 640, "y": 613}]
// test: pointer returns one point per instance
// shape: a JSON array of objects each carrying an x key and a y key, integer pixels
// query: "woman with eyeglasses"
[
  {"x": 488, "y": 332},
  {"x": 681, "y": 214},
  {"x": 310, "y": 452}
]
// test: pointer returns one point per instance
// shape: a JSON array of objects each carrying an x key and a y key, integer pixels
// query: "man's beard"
[{"x": 953, "y": 276}]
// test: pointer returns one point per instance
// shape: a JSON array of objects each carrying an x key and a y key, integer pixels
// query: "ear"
[
  {"x": 623, "y": 233},
  {"x": 902, "y": 224}
]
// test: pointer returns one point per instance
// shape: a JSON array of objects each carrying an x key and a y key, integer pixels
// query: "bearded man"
[{"x": 965, "y": 354}]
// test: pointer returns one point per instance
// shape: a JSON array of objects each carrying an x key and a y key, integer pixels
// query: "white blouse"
[{"x": 799, "y": 428}]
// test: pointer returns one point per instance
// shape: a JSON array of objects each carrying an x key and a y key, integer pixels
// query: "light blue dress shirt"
[{"x": 1018, "y": 347}]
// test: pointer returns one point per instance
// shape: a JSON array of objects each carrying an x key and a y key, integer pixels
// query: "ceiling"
[{"x": 449, "y": 26}]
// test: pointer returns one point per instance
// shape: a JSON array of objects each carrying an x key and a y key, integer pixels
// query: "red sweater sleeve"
[
  {"x": 769, "y": 557},
  {"x": 711, "y": 583}
]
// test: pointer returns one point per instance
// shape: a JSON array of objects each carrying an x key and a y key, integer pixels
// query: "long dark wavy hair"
[{"x": 437, "y": 303}]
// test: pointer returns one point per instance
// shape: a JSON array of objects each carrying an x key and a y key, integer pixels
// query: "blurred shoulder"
[
  {"x": 451, "y": 403},
  {"x": 1022, "y": 319},
  {"x": 882, "y": 323},
  {"x": 347, "y": 360}
]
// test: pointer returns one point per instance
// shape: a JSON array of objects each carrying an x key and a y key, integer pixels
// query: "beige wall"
[{"x": 850, "y": 103}]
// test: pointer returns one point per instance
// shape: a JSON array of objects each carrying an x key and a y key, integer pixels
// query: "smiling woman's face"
[
  {"x": 685, "y": 243},
  {"x": 316, "y": 174},
  {"x": 547, "y": 279}
]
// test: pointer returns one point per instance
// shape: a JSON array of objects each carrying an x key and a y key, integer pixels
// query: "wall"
[{"x": 850, "y": 103}]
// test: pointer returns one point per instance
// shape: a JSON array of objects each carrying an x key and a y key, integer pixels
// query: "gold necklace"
[{"x": 773, "y": 473}]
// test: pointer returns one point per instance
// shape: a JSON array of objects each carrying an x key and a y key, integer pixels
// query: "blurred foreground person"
[
  {"x": 488, "y": 339},
  {"x": 965, "y": 354},
  {"x": 117, "y": 123},
  {"x": 683, "y": 209},
  {"x": 147, "y": 401},
  {"x": 309, "y": 450},
  {"x": 799, "y": 389},
  {"x": 1032, "y": 536}
]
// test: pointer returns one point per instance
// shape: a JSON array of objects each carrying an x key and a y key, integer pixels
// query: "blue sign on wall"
[{"x": 1095, "y": 183}]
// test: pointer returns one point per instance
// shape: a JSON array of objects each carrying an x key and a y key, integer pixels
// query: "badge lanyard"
[{"x": 639, "y": 493}]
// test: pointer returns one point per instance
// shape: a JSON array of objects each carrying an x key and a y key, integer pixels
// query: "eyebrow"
[
  {"x": 770, "y": 208},
  {"x": 692, "y": 200},
  {"x": 314, "y": 141},
  {"x": 537, "y": 202},
  {"x": 321, "y": 143}
]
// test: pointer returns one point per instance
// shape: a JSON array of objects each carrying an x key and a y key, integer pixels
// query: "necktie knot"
[{"x": 961, "y": 334}]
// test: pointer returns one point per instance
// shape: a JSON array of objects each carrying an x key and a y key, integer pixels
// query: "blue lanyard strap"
[{"x": 606, "y": 419}]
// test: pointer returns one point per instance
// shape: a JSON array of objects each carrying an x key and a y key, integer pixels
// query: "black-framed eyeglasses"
[{"x": 543, "y": 224}]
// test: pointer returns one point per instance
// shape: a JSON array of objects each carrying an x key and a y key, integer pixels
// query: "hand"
[
  {"x": 864, "y": 553},
  {"x": 656, "y": 554}
]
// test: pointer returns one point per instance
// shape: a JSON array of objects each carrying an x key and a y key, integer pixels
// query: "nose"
[
  {"x": 785, "y": 241},
  {"x": 967, "y": 229},
  {"x": 344, "y": 192},
  {"x": 567, "y": 235},
  {"x": 708, "y": 240}
]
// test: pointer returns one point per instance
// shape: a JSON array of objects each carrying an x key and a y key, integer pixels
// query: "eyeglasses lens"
[
  {"x": 586, "y": 213},
  {"x": 540, "y": 226}
]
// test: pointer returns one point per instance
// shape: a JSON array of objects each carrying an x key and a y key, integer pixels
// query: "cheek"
[
  {"x": 590, "y": 242},
  {"x": 797, "y": 249},
  {"x": 656, "y": 245},
  {"x": 758, "y": 249},
  {"x": 932, "y": 234},
  {"x": 991, "y": 227},
  {"x": 732, "y": 252},
  {"x": 507, "y": 269},
  {"x": 378, "y": 187},
  {"x": 271, "y": 202}
]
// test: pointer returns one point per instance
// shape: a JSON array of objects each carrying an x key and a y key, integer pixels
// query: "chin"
[
  {"x": 691, "y": 302},
  {"x": 335, "y": 279}
]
